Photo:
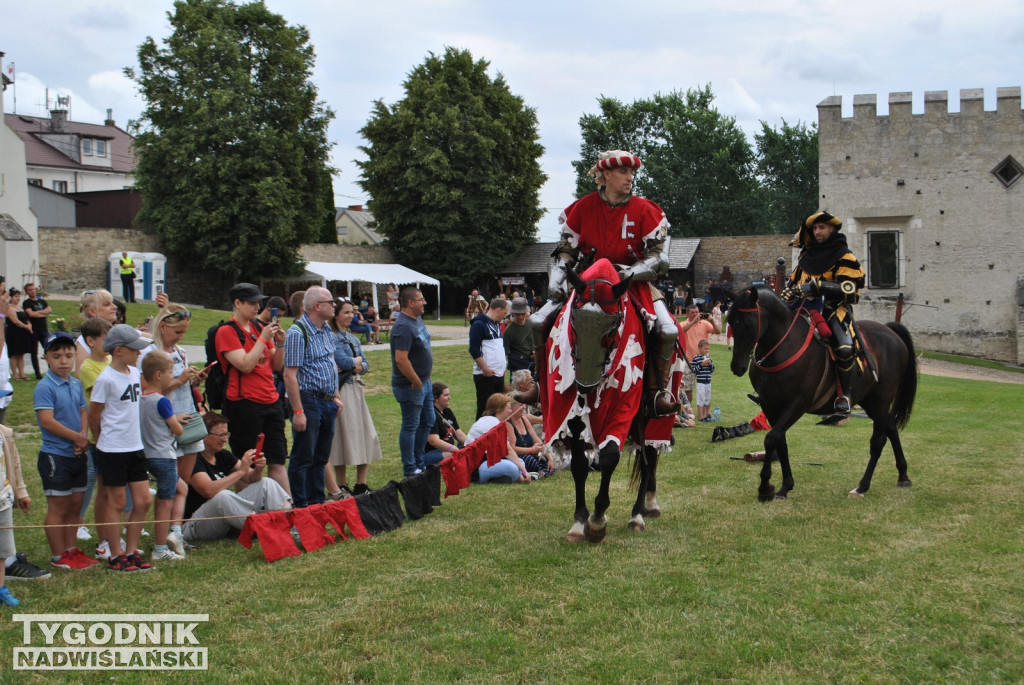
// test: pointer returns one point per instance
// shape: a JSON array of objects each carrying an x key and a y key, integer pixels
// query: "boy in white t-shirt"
[{"x": 119, "y": 454}]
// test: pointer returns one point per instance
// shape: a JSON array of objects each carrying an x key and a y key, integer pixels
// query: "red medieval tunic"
[{"x": 619, "y": 234}]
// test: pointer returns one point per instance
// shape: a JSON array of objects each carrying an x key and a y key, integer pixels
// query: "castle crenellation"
[
  {"x": 949, "y": 185},
  {"x": 936, "y": 104}
]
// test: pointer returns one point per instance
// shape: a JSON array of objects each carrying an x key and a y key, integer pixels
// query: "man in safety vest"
[{"x": 127, "y": 276}]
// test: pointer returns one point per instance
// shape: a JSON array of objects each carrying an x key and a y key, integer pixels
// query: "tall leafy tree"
[
  {"x": 787, "y": 164},
  {"x": 232, "y": 144},
  {"x": 698, "y": 164},
  {"x": 452, "y": 170}
]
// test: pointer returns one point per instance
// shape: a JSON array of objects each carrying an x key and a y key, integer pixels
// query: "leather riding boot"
[
  {"x": 662, "y": 402},
  {"x": 846, "y": 380},
  {"x": 531, "y": 396}
]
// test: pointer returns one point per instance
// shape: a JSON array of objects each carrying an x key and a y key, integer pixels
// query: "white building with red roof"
[{"x": 71, "y": 157}]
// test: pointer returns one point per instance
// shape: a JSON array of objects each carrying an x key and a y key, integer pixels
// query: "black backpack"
[{"x": 217, "y": 377}]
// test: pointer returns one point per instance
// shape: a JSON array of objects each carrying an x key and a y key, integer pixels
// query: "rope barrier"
[{"x": 122, "y": 523}]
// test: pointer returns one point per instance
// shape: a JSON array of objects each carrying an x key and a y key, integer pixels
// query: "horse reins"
[{"x": 799, "y": 353}]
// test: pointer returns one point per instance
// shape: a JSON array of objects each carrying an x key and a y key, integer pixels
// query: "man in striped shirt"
[{"x": 311, "y": 381}]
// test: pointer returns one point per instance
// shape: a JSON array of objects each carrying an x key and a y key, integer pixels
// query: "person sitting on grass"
[
  {"x": 511, "y": 468},
  {"x": 216, "y": 474},
  {"x": 528, "y": 446},
  {"x": 445, "y": 435},
  {"x": 525, "y": 391}
]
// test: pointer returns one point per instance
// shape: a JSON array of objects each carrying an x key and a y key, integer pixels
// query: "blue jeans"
[
  {"x": 311, "y": 450},
  {"x": 417, "y": 420},
  {"x": 504, "y": 467}
]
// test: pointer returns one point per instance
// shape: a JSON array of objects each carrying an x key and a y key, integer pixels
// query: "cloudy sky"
[{"x": 765, "y": 61}]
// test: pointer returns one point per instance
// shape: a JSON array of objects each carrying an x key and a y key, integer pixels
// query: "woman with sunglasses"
[
  {"x": 355, "y": 437},
  {"x": 168, "y": 329}
]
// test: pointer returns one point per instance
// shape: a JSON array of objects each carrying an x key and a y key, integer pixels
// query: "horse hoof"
[
  {"x": 856, "y": 494},
  {"x": 767, "y": 495},
  {"x": 575, "y": 534},
  {"x": 636, "y": 525},
  {"x": 652, "y": 513},
  {"x": 594, "y": 534},
  {"x": 904, "y": 484}
]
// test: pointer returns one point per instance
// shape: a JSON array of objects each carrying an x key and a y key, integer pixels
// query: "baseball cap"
[
  {"x": 123, "y": 335},
  {"x": 53, "y": 338},
  {"x": 246, "y": 292}
]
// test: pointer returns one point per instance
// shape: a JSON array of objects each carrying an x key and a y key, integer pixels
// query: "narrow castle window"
[
  {"x": 883, "y": 259},
  {"x": 1008, "y": 171}
]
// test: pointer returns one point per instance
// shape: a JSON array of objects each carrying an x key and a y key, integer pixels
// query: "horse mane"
[
  {"x": 770, "y": 301},
  {"x": 763, "y": 295}
]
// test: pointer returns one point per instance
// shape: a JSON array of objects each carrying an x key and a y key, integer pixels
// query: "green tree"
[
  {"x": 787, "y": 163},
  {"x": 698, "y": 164},
  {"x": 232, "y": 144},
  {"x": 452, "y": 170}
]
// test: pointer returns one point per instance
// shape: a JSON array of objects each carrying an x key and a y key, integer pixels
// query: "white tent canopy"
[{"x": 377, "y": 274}]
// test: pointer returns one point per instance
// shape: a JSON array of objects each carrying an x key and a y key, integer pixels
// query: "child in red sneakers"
[
  {"x": 61, "y": 412},
  {"x": 119, "y": 454}
]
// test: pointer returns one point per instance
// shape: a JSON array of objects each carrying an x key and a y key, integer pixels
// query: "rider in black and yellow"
[{"x": 828, "y": 279}]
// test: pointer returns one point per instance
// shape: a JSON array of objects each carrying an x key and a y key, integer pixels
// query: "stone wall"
[
  {"x": 347, "y": 254},
  {"x": 74, "y": 259},
  {"x": 750, "y": 258},
  {"x": 930, "y": 178}
]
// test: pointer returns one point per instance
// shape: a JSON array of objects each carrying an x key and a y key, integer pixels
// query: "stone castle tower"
[{"x": 933, "y": 205}]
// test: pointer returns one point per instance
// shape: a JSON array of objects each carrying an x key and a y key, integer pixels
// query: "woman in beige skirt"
[{"x": 355, "y": 437}]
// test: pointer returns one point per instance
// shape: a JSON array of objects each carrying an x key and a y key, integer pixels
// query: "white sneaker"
[
  {"x": 175, "y": 542},
  {"x": 166, "y": 555},
  {"x": 84, "y": 534},
  {"x": 103, "y": 549}
]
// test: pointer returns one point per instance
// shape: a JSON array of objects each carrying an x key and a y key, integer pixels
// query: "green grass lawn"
[{"x": 918, "y": 585}]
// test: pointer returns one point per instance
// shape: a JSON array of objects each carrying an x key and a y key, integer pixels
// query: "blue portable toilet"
[{"x": 150, "y": 274}]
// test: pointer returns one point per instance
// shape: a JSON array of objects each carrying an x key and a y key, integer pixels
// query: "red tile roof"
[{"x": 38, "y": 153}]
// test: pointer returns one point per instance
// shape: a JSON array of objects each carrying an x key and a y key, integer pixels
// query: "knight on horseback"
[
  {"x": 826, "y": 282},
  {"x": 632, "y": 233}
]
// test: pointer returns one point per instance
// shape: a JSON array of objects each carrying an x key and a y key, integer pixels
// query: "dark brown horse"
[{"x": 793, "y": 373}]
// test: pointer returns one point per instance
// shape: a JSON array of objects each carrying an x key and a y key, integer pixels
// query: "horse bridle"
[{"x": 759, "y": 363}]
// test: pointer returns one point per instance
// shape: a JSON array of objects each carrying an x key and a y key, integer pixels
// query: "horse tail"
[
  {"x": 637, "y": 456},
  {"x": 907, "y": 391}
]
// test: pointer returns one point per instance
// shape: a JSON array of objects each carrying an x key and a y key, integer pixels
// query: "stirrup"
[
  {"x": 842, "y": 405},
  {"x": 669, "y": 407}
]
